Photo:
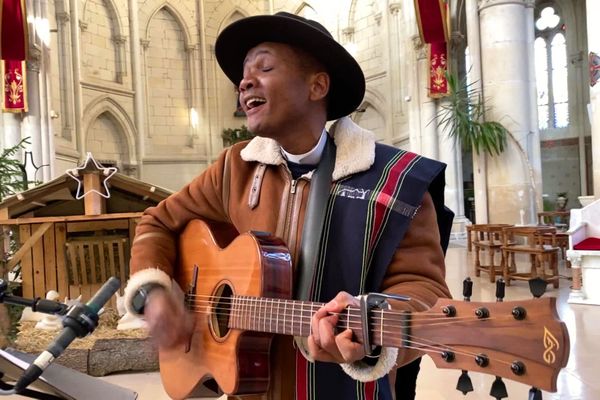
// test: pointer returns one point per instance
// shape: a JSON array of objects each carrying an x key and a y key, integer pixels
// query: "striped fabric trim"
[
  {"x": 367, "y": 390},
  {"x": 301, "y": 376},
  {"x": 320, "y": 268},
  {"x": 384, "y": 195},
  {"x": 370, "y": 390}
]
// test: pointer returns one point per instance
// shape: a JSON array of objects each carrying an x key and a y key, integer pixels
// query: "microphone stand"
[
  {"x": 38, "y": 304},
  {"x": 82, "y": 318}
]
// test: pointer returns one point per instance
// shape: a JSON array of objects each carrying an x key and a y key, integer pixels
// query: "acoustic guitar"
[{"x": 241, "y": 297}]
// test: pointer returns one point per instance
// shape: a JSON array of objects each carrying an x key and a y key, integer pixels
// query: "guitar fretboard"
[{"x": 293, "y": 317}]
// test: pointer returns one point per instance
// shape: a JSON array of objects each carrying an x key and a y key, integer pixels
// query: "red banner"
[
  {"x": 433, "y": 21},
  {"x": 13, "y": 30},
  {"x": 432, "y": 17},
  {"x": 15, "y": 86}
]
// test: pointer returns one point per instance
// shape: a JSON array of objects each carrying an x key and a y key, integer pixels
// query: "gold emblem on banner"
[
  {"x": 438, "y": 72},
  {"x": 14, "y": 87}
]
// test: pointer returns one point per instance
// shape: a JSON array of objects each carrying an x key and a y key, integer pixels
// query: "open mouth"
[{"x": 254, "y": 102}]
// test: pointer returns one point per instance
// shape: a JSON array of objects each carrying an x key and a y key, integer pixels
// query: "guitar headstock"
[{"x": 522, "y": 341}]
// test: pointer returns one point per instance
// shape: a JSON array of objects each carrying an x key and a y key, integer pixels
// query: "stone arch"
[
  {"x": 303, "y": 5},
  {"x": 169, "y": 86},
  {"x": 185, "y": 23},
  {"x": 234, "y": 14},
  {"x": 106, "y": 104},
  {"x": 113, "y": 10},
  {"x": 228, "y": 111},
  {"x": 101, "y": 41},
  {"x": 220, "y": 17}
]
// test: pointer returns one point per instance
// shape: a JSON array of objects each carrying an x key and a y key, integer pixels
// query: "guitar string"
[
  {"x": 390, "y": 323},
  {"x": 309, "y": 306},
  {"x": 431, "y": 347},
  {"x": 415, "y": 319},
  {"x": 438, "y": 347},
  {"x": 296, "y": 303}
]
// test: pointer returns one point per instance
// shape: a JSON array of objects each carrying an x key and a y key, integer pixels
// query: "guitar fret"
[
  {"x": 381, "y": 327},
  {"x": 292, "y": 320},
  {"x": 255, "y": 321},
  {"x": 232, "y": 313},
  {"x": 277, "y": 320},
  {"x": 301, "y": 317},
  {"x": 246, "y": 314},
  {"x": 261, "y": 315},
  {"x": 348, "y": 318},
  {"x": 284, "y": 314}
]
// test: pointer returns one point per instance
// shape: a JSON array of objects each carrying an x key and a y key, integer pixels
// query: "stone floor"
[{"x": 575, "y": 382}]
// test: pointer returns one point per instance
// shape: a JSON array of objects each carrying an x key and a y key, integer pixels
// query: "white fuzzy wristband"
[{"x": 363, "y": 372}]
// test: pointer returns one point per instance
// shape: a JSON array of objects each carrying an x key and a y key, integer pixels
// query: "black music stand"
[{"x": 58, "y": 382}]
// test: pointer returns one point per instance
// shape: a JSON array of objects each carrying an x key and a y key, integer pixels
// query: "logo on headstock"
[{"x": 550, "y": 344}]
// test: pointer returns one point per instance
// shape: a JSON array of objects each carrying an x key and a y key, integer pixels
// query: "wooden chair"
[
  {"x": 539, "y": 243},
  {"x": 557, "y": 219},
  {"x": 92, "y": 260},
  {"x": 487, "y": 239}
]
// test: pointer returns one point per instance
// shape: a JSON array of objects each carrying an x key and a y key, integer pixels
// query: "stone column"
[
  {"x": 425, "y": 106},
  {"x": 65, "y": 71},
  {"x": 205, "y": 60},
  {"x": 119, "y": 42},
  {"x": 395, "y": 66},
  {"x": 138, "y": 85},
  {"x": 474, "y": 72},
  {"x": 593, "y": 37},
  {"x": 514, "y": 181},
  {"x": 450, "y": 153},
  {"x": 191, "y": 51},
  {"x": 32, "y": 122},
  {"x": 11, "y": 130},
  {"x": 76, "y": 63}
]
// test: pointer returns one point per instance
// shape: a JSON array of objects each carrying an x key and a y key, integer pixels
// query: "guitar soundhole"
[{"x": 221, "y": 311}]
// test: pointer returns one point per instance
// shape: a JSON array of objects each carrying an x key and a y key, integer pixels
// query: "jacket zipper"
[{"x": 291, "y": 205}]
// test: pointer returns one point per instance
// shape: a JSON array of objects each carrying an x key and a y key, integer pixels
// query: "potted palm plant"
[{"x": 462, "y": 117}]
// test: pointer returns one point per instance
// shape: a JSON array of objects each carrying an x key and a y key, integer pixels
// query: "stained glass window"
[{"x": 551, "y": 70}]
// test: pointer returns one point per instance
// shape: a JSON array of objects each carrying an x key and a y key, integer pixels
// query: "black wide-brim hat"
[{"x": 347, "y": 81}]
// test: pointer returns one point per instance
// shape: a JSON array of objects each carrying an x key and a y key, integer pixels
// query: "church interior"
[{"x": 133, "y": 88}]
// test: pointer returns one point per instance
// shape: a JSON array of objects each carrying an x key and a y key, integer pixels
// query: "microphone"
[{"x": 80, "y": 321}]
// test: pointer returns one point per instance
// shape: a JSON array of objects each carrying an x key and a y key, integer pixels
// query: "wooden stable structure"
[{"x": 73, "y": 245}]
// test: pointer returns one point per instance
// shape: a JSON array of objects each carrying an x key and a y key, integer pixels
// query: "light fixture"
[{"x": 193, "y": 117}]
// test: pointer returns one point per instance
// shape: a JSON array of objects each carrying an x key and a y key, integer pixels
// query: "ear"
[{"x": 319, "y": 86}]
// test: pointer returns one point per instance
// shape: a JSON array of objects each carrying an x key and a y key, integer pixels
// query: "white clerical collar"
[{"x": 312, "y": 157}]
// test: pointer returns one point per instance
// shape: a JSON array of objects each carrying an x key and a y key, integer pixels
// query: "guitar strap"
[{"x": 320, "y": 186}]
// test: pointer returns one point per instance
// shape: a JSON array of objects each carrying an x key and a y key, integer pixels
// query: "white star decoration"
[{"x": 90, "y": 164}]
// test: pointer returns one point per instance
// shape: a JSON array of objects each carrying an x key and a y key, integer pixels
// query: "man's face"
[{"x": 275, "y": 90}]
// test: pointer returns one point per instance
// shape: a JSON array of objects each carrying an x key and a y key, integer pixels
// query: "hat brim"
[{"x": 347, "y": 81}]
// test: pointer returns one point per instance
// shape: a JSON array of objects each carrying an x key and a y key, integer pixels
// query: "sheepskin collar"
[{"x": 355, "y": 149}]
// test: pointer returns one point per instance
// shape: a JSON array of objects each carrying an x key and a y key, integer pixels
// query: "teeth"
[{"x": 254, "y": 102}]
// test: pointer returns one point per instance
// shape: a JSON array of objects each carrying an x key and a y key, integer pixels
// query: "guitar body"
[{"x": 254, "y": 264}]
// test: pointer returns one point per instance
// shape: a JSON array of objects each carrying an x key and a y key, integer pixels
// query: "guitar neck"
[{"x": 293, "y": 317}]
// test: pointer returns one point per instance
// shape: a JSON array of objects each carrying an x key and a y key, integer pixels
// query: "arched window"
[{"x": 551, "y": 70}]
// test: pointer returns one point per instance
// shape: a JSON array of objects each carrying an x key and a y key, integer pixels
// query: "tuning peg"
[
  {"x": 467, "y": 289},
  {"x": 537, "y": 287},
  {"x": 500, "y": 290},
  {"x": 498, "y": 390},
  {"x": 464, "y": 384},
  {"x": 535, "y": 394}
]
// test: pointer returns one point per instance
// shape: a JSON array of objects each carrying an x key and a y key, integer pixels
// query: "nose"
[{"x": 247, "y": 82}]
